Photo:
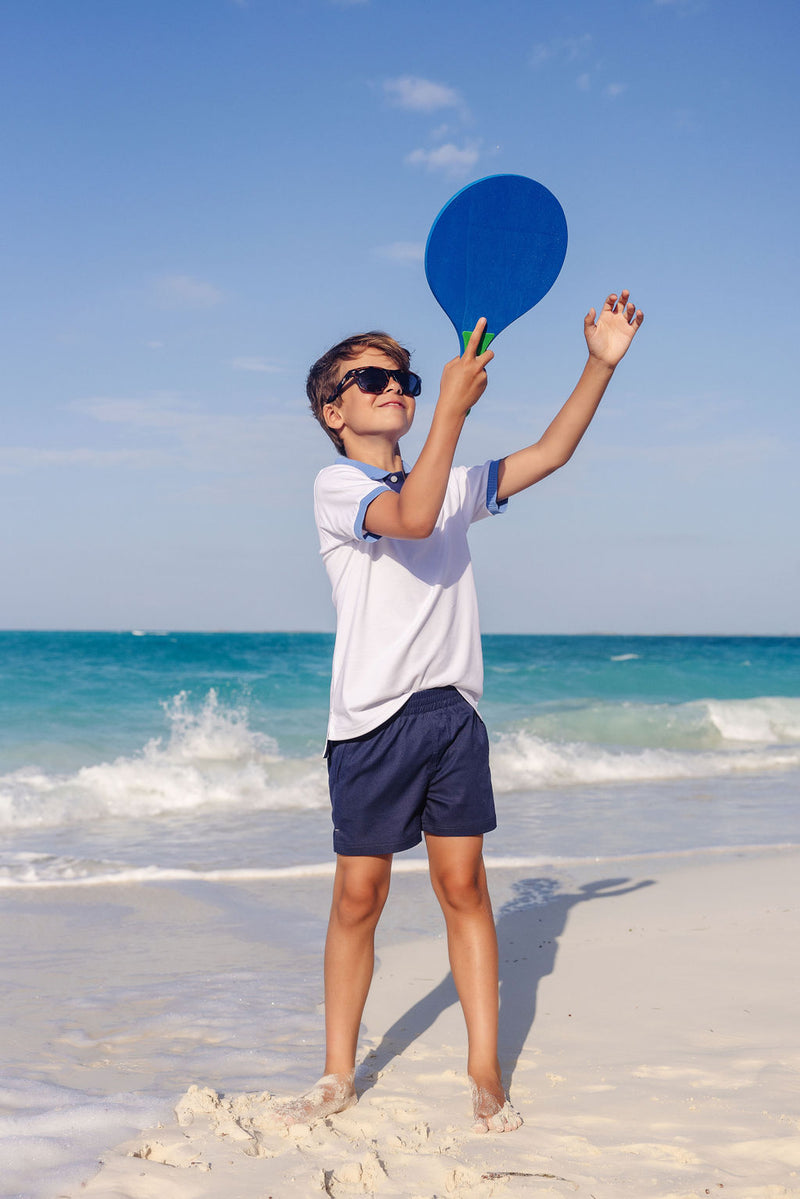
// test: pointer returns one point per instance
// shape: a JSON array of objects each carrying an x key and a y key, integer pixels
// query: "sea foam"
[
  {"x": 41, "y": 871},
  {"x": 51, "y": 1136},
  {"x": 213, "y": 759},
  {"x": 522, "y": 761}
]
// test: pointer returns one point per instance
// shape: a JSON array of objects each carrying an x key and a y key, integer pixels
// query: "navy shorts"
[{"x": 426, "y": 770}]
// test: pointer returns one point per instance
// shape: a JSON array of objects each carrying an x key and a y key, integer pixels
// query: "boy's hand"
[
  {"x": 412, "y": 513},
  {"x": 464, "y": 379},
  {"x": 609, "y": 336}
]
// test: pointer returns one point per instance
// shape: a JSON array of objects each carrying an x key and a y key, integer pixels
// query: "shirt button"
[{"x": 392, "y": 478}]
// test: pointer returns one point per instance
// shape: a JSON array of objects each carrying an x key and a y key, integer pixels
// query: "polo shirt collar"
[{"x": 373, "y": 472}]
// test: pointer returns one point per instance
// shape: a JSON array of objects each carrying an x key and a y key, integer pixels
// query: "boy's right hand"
[
  {"x": 464, "y": 379},
  {"x": 412, "y": 513}
]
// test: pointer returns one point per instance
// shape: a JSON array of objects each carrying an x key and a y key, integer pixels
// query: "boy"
[{"x": 407, "y": 752}]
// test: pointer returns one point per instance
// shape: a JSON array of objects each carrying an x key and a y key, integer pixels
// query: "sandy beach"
[{"x": 650, "y": 1040}]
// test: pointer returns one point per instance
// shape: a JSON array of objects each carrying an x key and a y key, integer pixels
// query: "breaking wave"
[{"x": 212, "y": 759}]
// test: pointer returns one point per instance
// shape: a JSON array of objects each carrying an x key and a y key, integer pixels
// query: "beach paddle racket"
[{"x": 495, "y": 250}]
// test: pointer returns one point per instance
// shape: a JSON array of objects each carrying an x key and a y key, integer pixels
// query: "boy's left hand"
[{"x": 609, "y": 334}]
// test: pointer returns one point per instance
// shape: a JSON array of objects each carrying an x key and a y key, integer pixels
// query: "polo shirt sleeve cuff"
[
  {"x": 494, "y": 505},
  {"x": 358, "y": 526}
]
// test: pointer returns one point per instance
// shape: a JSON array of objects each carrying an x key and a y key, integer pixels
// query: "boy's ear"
[{"x": 333, "y": 417}]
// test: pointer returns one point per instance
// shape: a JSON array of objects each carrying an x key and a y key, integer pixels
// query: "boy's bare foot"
[
  {"x": 492, "y": 1110},
  {"x": 333, "y": 1093}
]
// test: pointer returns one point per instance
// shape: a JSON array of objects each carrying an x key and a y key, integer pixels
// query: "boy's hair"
[{"x": 322, "y": 378}]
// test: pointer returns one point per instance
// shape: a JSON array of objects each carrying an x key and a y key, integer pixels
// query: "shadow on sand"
[{"x": 528, "y": 929}]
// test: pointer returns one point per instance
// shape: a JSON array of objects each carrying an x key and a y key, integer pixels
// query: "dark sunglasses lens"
[{"x": 372, "y": 379}]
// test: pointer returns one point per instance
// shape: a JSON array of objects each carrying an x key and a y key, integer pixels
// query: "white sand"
[{"x": 652, "y": 1041}]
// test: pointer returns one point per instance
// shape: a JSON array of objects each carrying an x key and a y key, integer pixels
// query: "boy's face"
[{"x": 361, "y": 415}]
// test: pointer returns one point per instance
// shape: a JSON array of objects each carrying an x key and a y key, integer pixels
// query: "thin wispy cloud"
[
  {"x": 449, "y": 158},
  {"x": 401, "y": 251},
  {"x": 562, "y": 49},
  {"x": 612, "y": 90},
  {"x": 165, "y": 411},
  {"x": 421, "y": 95},
  {"x": 258, "y": 365},
  {"x": 169, "y": 434},
  {"x": 561, "y": 52},
  {"x": 199, "y": 439},
  {"x": 186, "y": 291},
  {"x": 703, "y": 458},
  {"x": 17, "y": 459}
]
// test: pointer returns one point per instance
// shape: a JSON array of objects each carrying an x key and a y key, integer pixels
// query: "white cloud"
[
  {"x": 584, "y": 82},
  {"x": 184, "y": 291},
  {"x": 421, "y": 95},
  {"x": 401, "y": 251},
  {"x": 260, "y": 365},
  {"x": 449, "y": 158},
  {"x": 615, "y": 89}
]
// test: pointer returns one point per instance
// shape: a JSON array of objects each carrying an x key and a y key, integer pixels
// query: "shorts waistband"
[
  {"x": 433, "y": 699},
  {"x": 430, "y": 700}
]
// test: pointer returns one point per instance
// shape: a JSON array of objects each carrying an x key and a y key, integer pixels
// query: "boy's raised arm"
[
  {"x": 608, "y": 338},
  {"x": 412, "y": 512}
]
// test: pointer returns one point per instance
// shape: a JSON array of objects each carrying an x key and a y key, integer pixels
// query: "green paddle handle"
[{"x": 486, "y": 340}]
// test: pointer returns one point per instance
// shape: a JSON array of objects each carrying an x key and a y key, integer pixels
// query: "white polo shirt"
[{"x": 406, "y": 611}]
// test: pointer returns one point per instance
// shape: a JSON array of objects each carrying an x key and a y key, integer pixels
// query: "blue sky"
[{"x": 199, "y": 198}]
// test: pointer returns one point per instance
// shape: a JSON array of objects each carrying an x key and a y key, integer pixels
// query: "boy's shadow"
[{"x": 528, "y": 928}]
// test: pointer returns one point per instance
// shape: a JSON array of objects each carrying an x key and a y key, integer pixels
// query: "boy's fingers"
[{"x": 475, "y": 337}]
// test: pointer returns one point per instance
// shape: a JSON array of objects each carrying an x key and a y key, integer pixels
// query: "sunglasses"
[{"x": 374, "y": 379}]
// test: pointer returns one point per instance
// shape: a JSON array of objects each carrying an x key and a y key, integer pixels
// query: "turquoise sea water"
[
  {"x": 184, "y": 773},
  {"x": 196, "y": 751}
]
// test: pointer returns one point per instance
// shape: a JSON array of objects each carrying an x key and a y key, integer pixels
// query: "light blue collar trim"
[{"x": 372, "y": 472}]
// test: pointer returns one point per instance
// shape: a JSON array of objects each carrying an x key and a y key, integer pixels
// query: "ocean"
[
  {"x": 152, "y": 781},
  {"x": 135, "y": 755}
]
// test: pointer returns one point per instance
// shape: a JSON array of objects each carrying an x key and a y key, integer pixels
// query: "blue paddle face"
[{"x": 495, "y": 250}]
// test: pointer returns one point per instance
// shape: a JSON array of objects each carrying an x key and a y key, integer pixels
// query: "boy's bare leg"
[
  {"x": 458, "y": 876},
  {"x": 360, "y": 888}
]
